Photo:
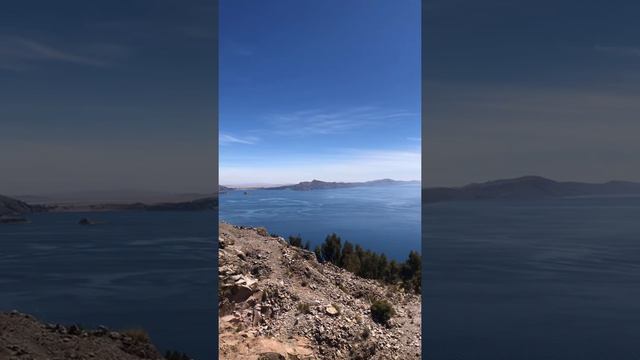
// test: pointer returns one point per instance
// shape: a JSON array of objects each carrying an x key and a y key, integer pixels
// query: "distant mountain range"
[
  {"x": 110, "y": 197},
  {"x": 10, "y": 208},
  {"x": 319, "y": 185},
  {"x": 522, "y": 188},
  {"x": 528, "y": 188}
]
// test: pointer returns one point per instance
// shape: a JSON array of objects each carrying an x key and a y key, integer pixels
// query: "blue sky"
[
  {"x": 107, "y": 95},
  {"x": 324, "y": 90},
  {"x": 547, "y": 88}
]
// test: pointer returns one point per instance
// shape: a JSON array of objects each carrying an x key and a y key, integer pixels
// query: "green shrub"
[
  {"x": 335, "y": 306},
  {"x": 382, "y": 311},
  {"x": 304, "y": 308},
  {"x": 138, "y": 335},
  {"x": 295, "y": 240}
]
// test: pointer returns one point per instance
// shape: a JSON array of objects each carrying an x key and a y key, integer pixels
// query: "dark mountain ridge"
[
  {"x": 12, "y": 209},
  {"x": 528, "y": 188},
  {"x": 319, "y": 185}
]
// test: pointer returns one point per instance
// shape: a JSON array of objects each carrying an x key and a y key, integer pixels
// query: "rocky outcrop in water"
[{"x": 277, "y": 301}]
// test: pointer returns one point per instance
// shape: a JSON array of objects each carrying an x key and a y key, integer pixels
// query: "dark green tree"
[
  {"x": 295, "y": 240},
  {"x": 393, "y": 272},
  {"x": 348, "y": 259},
  {"x": 318, "y": 251},
  {"x": 331, "y": 249}
]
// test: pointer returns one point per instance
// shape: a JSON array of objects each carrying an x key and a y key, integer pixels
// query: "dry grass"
[{"x": 138, "y": 335}]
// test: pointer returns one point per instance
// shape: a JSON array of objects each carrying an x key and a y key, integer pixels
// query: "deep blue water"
[
  {"x": 540, "y": 280},
  {"x": 382, "y": 218},
  {"x": 154, "y": 270}
]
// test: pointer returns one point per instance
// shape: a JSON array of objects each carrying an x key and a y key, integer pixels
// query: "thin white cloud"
[
  {"x": 323, "y": 122},
  {"x": 619, "y": 50},
  {"x": 226, "y": 139},
  {"x": 19, "y": 53}
]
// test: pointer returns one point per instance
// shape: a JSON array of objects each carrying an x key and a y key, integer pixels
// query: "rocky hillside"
[
  {"x": 278, "y": 302},
  {"x": 22, "y": 337}
]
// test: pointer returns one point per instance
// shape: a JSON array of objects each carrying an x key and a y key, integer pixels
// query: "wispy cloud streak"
[
  {"x": 321, "y": 122},
  {"x": 18, "y": 53},
  {"x": 227, "y": 139},
  {"x": 619, "y": 50}
]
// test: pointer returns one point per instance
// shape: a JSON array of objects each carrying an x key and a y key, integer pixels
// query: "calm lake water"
[
  {"x": 151, "y": 270},
  {"x": 540, "y": 280},
  {"x": 382, "y": 218}
]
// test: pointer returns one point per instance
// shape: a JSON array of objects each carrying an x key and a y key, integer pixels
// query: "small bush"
[
  {"x": 304, "y": 308},
  {"x": 341, "y": 287},
  {"x": 262, "y": 231},
  {"x": 336, "y": 307},
  {"x": 138, "y": 335},
  {"x": 295, "y": 240},
  {"x": 366, "y": 333},
  {"x": 382, "y": 311}
]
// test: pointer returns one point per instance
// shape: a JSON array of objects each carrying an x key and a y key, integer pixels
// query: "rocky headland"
[
  {"x": 277, "y": 301},
  {"x": 22, "y": 337}
]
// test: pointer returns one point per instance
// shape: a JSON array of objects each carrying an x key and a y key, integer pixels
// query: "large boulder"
[{"x": 238, "y": 292}]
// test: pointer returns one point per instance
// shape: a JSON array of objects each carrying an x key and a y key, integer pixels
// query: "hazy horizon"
[
  {"x": 512, "y": 89},
  {"x": 108, "y": 95}
]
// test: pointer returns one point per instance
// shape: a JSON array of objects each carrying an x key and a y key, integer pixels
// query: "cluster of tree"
[
  {"x": 297, "y": 242},
  {"x": 366, "y": 263}
]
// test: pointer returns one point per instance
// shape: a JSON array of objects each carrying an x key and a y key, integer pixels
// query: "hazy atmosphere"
[
  {"x": 550, "y": 89},
  {"x": 107, "y": 95},
  {"x": 308, "y": 99}
]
